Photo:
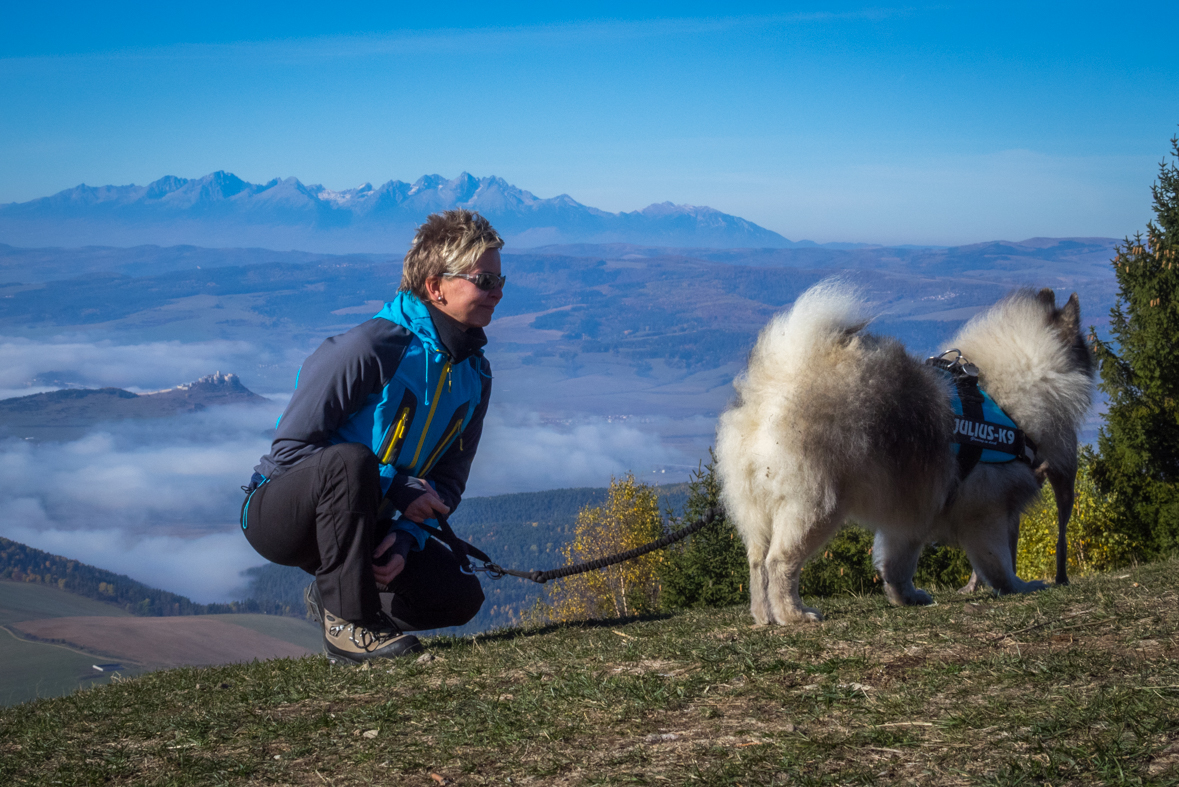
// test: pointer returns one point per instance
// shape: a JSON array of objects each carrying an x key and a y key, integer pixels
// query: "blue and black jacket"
[{"x": 394, "y": 384}]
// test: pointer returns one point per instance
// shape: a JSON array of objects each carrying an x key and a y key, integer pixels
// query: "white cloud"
[
  {"x": 519, "y": 453},
  {"x": 159, "y": 499},
  {"x": 183, "y": 472},
  {"x": 149, "y": 366}
]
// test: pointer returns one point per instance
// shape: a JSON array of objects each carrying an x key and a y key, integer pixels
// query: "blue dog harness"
[{"x": 982, "y": 431}]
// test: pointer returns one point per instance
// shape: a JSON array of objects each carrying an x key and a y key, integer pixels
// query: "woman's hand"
[
  {"x": 426, "y": 506},
  {"x": 386, "y": 573}
]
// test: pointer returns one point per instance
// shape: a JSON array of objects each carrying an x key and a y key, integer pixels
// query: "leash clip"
[
  {"x": 493, "y": 571},
  {"x": 958, "y": 360}
]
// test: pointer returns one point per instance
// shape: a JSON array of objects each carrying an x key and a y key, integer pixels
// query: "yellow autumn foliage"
[
  {"x": 1093, "y": 543},
  {"x": 628, "y": 519}
]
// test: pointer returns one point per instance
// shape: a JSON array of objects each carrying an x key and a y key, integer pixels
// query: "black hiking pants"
[{"x": 321, "y": 515}]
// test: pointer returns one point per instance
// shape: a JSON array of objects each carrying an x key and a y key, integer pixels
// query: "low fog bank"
[
  {"x": 520, "y": 453},
  {"x": 159, "y": 500}
]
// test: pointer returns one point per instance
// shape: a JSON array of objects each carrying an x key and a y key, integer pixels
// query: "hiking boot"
[
  {"x": 353, "y": 643},
  {"x": 311, "y": 600}
]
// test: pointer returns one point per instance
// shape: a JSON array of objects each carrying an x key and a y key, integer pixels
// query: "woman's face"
[{"x": 461, "y": 299}]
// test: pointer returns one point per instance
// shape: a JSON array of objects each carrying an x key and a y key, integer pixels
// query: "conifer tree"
[
  {"x": 710, "y": 569},
  {"x": 1139, "y": 444}
]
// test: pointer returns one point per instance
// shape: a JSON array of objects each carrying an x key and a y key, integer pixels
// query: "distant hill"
[
  {"x": 223, "y": 210},
  {"x": 61, "y": 412},
  {"x": 592, "y": 329}
]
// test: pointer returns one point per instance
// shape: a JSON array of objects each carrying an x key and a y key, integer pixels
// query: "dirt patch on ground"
[{"x": 190, "y": 641}]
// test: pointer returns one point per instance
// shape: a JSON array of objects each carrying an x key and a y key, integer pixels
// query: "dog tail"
[{"x": 826, "y": 314}]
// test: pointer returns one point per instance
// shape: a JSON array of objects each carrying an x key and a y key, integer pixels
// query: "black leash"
[{"x": 461, "y": 548}]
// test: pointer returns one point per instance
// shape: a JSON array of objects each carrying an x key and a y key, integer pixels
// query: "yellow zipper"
[
  {"x": 446, "y": 438},
  {"x": 398, "y": 434},
  {"x": 430, "y": 415}
]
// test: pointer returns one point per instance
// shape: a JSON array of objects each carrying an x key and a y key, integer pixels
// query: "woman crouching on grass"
[{"x": 378, "y": 437}]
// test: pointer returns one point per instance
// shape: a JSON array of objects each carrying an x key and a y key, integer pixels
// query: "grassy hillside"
[
  {"x": 27, "y": 601},
  {"x": 1075, "y": 685}
]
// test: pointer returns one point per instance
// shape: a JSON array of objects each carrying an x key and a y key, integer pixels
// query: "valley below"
[{"x": 607, "y": 359}]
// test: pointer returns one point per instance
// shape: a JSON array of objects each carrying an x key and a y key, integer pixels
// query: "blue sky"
[{"x": 836, "y": 122}]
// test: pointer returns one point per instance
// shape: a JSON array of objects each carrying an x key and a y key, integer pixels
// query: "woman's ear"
[{"x": 434, "y": 289}]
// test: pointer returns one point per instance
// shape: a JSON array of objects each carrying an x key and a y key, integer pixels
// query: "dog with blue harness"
[{"x": 833, "y": 423}]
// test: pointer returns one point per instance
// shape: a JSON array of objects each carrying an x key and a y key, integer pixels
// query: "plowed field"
[{"x": 161, "y": 642}]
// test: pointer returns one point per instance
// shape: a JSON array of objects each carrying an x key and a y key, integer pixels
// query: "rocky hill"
[{"x": 48, "y": 414}]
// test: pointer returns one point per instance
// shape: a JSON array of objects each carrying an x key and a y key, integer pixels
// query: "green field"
[
  {"x": 29, "y": 601},
  {"x": 34, "y": 669}
]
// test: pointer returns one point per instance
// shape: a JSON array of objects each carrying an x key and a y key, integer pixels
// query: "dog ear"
[
  {"x": 847, "y": 333},
  {"x": 1047, "y": 297},
  {"x": 1068, "y": 319}
]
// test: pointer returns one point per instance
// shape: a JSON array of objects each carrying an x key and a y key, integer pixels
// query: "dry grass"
[{"x": 1074, "y": 685}]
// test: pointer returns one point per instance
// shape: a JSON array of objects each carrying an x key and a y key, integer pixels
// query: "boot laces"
[{"x": 369, "y": 639}]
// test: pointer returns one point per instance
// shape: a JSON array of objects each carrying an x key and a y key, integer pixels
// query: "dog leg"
[
  {"x": 784, "y": 565},
  {"x": 759, "y": 605},
  {"x": 896, "y": 559},
  {"x": 1064, "y": 487},
  {"x": 971, "y": 584},
  {"x": 991, "y": 553}
]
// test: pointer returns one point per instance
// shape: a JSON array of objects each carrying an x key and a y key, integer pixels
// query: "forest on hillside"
[{"x": 21, "y": 563}]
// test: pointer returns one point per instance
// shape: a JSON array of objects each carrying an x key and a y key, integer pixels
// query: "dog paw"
[
  {"x": 799, "y": 615},
  {"x": 1017, "y": 585},
  {"x": 920, "y": 598},
  {"x": 907, "y": 597}
]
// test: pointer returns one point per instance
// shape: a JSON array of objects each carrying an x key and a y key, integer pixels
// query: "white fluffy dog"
[{"x": 833, "y": 423}]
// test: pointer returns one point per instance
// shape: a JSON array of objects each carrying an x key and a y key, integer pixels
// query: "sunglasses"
[{"x": 484, "y": 281}]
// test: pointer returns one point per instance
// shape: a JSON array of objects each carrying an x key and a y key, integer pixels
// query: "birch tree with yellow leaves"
[{"x": 629, "y": 518}]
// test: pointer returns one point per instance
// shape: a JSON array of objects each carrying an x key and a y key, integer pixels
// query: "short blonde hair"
[{"x": 448, "y": 242}]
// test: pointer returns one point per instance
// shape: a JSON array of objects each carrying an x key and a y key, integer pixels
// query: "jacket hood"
[{"x": 410, "y": 313}]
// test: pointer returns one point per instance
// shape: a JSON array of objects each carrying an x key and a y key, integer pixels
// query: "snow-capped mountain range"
[{"x": 222, "y": 210}]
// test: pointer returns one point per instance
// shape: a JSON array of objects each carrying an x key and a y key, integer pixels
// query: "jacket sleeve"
[
  {"x": 334, "y": 382},
  {"x": 449, "y": 476}
]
